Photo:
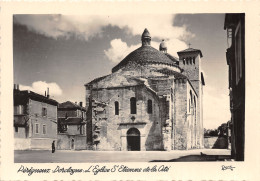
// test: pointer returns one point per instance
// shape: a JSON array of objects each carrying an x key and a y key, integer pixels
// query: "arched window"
[
  {"x": 191, "y": 97},
  {"x": 133, "y": 105},
  {"x": 191, "y": 102},
  {"x": 183, "y": 61},
  {"x": 150, "y": 106},
  {"x": 195, "y": 111},
  {"x": 116, "y": 108}
]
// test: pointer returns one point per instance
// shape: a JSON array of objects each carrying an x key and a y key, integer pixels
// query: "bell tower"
[{"x": 190, "y": 62}]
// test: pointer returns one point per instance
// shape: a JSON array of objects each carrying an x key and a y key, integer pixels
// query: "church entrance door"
[
  {"x": 133, "y": 139},
  {"x": 72, "y": 144}
]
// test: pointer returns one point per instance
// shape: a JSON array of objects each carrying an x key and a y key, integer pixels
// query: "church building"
[{"x": 151, "y": 101}]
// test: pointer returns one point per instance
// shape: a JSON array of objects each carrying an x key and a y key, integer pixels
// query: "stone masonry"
[{"x": 150, "y": 101}]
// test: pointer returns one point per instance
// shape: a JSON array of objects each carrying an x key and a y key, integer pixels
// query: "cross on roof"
[{"x": 189, "y": 45}]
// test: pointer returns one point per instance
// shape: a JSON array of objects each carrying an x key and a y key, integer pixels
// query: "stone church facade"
[{"x": 151, "y": 101}]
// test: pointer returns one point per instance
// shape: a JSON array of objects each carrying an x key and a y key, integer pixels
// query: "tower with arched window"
[{"x": 190, "y": 62}]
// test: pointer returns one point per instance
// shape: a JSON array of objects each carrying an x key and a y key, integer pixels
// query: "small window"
[
  {"x": 37, "y": 128},
  {"x": 65, "y": 127},
  {"x": 194, "y": 103},
  {"x": 116, "y": 108},
  {"x": 190, "y": 61},
  {"x": 150, "y": 106},
  {"x": 43, "y": 129},
  {"x": 191, "y": 97},
  {"x": 133, "y": 105},
  {"x": 81, "y": 130},
  {"x": 193, "y": 60},
  {"x": 44, "y": 111},
  {"x": 184, "y": 61},
  {"x": 79, "y": 113},
  {"x": 187, "y": 61},
  {"x": 18, "y": 109},
  {"x": 16, "y": 129}
]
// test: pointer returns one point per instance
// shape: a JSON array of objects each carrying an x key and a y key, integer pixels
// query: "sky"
[{"x": 64, "y": 52}]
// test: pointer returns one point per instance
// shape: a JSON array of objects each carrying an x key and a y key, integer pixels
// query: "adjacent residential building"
[
  {"x": 151, "y": 101},
  {"x": 71, "y": 126},
  {"x": 235, "y": 26},
  {"x": 35, "y": 120}
]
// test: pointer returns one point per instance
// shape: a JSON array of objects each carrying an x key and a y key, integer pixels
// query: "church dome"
[{"x": 146, "y": 55}]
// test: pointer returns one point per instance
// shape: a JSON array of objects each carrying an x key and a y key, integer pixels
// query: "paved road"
[{"x": 63, "y": 156}]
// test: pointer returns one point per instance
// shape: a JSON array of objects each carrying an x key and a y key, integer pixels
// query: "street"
[{"x": 86, "y": 156}]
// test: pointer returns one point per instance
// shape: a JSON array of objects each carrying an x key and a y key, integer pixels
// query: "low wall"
[
  {"x": 209, "y": 142},
  {"x": 33, "y": 143},
  {"x": 22, "y": 144},
  {"x": 42, "y": 143},
  {"x": 64, "y": 142}
]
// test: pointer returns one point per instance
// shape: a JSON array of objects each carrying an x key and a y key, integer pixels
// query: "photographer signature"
[{"x": 227, "y": 167}]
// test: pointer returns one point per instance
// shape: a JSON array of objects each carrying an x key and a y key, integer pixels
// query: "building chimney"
[
  {"x": 48, "y": 95},
  {"x": 80, "y": 104}
]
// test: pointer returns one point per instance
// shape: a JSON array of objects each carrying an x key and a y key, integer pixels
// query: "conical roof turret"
[{"x": 146, "y": 38}]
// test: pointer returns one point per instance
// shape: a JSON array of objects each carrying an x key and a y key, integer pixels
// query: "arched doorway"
[
  {"x": 72, "y": 144},
  {"x": 133, "y": 139}
]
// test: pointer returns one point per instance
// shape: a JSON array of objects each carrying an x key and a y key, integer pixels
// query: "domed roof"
[
  {"x": 163, "y": 46},
  {"x": 146, "y": 54}
]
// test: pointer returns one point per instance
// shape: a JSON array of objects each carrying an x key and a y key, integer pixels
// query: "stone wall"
[
  {"x": 112, "y": 129},
  {"x": 192, "y": 113},
  {"x": 180, "y": 124},
  {"x": 64, "y": 142},
  {"x": 75, "y": 130}
]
